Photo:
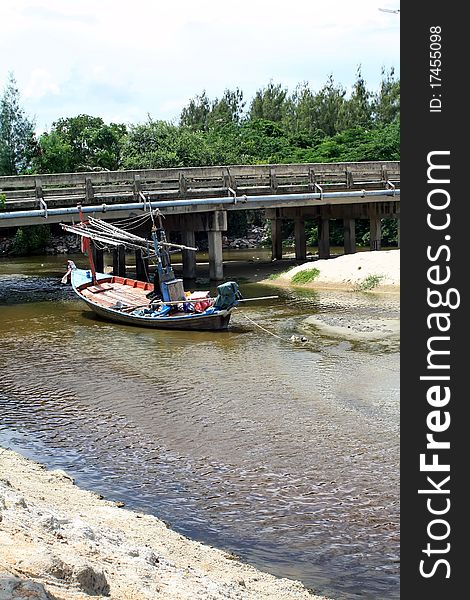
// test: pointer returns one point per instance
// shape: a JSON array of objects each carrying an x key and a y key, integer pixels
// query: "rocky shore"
[
  {"x": 60, "y": 542},
  {"x": 61, "y": 243}
]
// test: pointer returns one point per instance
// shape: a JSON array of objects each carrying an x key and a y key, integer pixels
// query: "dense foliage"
[
  {"x": 79, "y": 143},
  {"x": 31, "y": 240},
  {"x": 275, "y": 127}
]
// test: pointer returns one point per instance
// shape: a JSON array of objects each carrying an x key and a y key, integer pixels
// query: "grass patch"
[
  {"x": 369, "y": 283},
  {"x": 305, "y": 276}
]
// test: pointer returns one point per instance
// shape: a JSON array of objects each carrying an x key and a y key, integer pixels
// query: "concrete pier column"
[
  {"x": 216, "y": 264},
  {"x": 375, "y": 230},
  {"x": 215, "y": 224},
  {"x": 300, "y": 240},
  {"x": 119, "y": 261},
  {"x": 141, "y": 267},
  {"x": 276, "y": 239},
  {"x": 189, "y": 256},
  {"x": 349, "y": 235},
  {"x": 324, "y": 237},
  {"x": 98, "y": 258}
]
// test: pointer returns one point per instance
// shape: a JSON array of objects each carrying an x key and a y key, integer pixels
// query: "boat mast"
[
  {"x": 86, "y": 248},
  {"x": 164, "y": 268}
]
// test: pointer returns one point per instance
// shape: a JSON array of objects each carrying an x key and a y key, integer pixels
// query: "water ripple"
[{"x": 286, "y": 455}]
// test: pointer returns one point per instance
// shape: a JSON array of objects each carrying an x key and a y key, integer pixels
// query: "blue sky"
[{"x": 123, "y": 61}]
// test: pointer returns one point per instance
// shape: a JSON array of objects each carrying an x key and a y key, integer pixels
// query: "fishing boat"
[
  {"x": 163, "y": 304},
  {"x": 126, "y": 300}
]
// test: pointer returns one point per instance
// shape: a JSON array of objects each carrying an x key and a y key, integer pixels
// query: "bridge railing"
[{"x": 68, "y": 189}]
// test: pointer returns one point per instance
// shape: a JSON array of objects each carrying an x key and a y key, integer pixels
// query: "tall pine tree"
[{"x": 17, "y": 139}]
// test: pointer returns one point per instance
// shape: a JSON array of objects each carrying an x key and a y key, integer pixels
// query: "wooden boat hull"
[
  {"x": 133, "y": 293},
  {"x": 190, "y": 322}
]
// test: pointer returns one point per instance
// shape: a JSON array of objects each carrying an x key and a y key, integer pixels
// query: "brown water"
[{"x": 285, "y": 454}]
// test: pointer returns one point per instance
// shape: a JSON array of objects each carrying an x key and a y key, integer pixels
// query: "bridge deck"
[{"x": 117, "y": 187}]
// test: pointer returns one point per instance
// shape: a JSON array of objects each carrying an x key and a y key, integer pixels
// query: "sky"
[{"x": 125, "y": 61}]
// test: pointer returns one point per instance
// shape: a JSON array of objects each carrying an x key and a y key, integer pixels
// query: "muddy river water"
[{"x": 285, "y": 453}]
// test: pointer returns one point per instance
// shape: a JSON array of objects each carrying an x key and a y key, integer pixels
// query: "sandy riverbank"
[
  {"x": 59, "y": 542},
  {"x": 350, "y": 315},
  {"x": 350, "y": 272}
]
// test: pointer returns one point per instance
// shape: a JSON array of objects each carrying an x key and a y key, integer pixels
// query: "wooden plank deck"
[{"x": 117, "y": 293}]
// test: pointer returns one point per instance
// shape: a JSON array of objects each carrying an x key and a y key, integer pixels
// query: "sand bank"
[
  {"x": 60, "y": 542},
  {"x": 366, "y": 303},
  {"x": 350, "y": 272}
]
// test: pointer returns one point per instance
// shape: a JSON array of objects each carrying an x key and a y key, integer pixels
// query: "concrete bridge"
[{"x": 199, "y": 198}]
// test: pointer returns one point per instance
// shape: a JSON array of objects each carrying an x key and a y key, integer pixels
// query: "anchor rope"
[
  {"x": 265, "y": 330},
  {"x": 283, "y": 339}
]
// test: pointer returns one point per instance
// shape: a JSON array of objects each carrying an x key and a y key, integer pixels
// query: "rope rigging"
[{"x": 104, "y": 234}]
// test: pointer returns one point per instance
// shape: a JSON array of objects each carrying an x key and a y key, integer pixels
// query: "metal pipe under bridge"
[{"x": 199, "y": 198}]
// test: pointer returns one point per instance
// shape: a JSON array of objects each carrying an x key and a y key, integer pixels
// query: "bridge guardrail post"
[
  {"x": 89, "y": 191},
  {"x": 137, "y": 187}
]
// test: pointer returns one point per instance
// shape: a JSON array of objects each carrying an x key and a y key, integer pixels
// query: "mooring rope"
[{"x": 302, "y": 339}]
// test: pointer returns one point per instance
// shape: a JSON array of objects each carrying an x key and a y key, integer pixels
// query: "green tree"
[
  {"x": 80, "y": 143},
  {"x": 328, "y": 106},
  {"x": 270, "y": 103},
  {"x": 352, "y": 145},
  {"x": 196, "y": 114},
  {"x": 227, "y": 110},
  {"x": 17, "y": 139},
  {"x": 54, "y": 154},
  {"x": 158, "y": 144},
  {"x": 357, "y": 110},
  {"x": 224, "y": 144},
  {"x": 262, "y": 141},
  {"x": 202, "y": 114},
  {"x": 386, "y": 104},
  {"x": 302, "y": 113}
]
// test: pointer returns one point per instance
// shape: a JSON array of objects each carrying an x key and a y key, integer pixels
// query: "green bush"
[
  {"x": 31, "y": 240},
  {"x": 3, "y": 202}
]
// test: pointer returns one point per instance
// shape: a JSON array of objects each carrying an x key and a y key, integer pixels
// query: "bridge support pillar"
[
  {"x": 141, "y": 267},
  {"x": 216, "y": 224},
  {"x": 189, "y": 256},
  {"x": 216, "y": 263},
  {"x": 98, "y": 258},
  {"x": 349, "y": 235},
  {"x": 375, "y": 229},
  {"x": 119, "y": 261},
  {"x": 300, "y": 241},
  {"x": 276, "y": 239},
  {"x": 323, "y": 237}
]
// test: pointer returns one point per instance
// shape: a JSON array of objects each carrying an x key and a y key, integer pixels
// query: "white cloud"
[
  {"x": 106, "y": 58},
  {"x": 40, "y": 84}
]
